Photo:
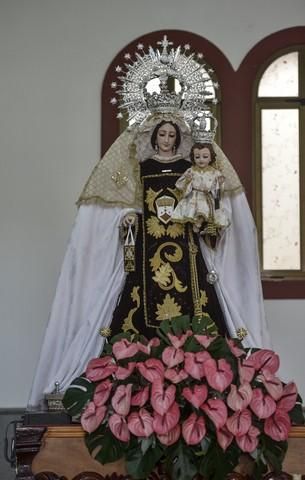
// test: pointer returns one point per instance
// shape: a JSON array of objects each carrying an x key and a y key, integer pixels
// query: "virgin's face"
[
  {"x": 166, "y": 138},
  {"x": 202, "y": 157}
]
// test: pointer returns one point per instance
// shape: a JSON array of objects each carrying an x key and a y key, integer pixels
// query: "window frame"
[{"x": 281, "y": 103}]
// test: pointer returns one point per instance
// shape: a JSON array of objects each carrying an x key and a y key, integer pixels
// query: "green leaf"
[
  {"x": 204, "y": 325},
  {"x": 146, "y": 443},
  {"x": 274, "y": 452},
  {"x": 77, "y": 395},
  {"x": 120, "y": 336},
  {"x": 140, "y": 465},
  {"x": 260, "y": 468},
  {"x": 181, "y": 463},
  {"x": 217, "y": 463},
  {"x": 104, "y": 446},
  {"x": 165, "y": 327},
  {"x": 296, "y": 414},
  {"x": 191, "y": 345},
  {"x": 220, "y": 349},
  {"x": 180, "y": 324}
]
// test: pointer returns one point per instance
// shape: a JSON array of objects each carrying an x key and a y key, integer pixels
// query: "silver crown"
[
  {"x": 204, "y": 127},
  {"x": 165, "y": 101},
  {"x": 165, "y": 80}
]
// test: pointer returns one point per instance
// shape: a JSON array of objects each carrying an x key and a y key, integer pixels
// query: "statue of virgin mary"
[{"x": 128, "y": 266}]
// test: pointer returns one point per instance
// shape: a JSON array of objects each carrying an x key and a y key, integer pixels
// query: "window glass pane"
[
  {"x": 280, "y": 189},
  {"x": 281, "y": 78}
]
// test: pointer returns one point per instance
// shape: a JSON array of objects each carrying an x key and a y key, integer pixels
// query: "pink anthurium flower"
[
  {"x": 171, "y": 437},
  {"x": 179, "y": 340},
  {"x": 278, "y": 426},
  {"x": 239, "y": 398},
  {"x": 152, "y": 369},
  {"x": 141, "y": 423},
  {"x": 164, "y": 423},
  {"x": 172, "y": 356},
  {"x": 100, "y": 368},
  {"x": 235, "y": 349},
  {"x": 193, "y": 429},
  {"x": 140, "y": 398},
  {"x": 194, "y": 364},
  {"x": 239, "y": 423},
  {"x": 154, "y": 342},
  {"x": 249, "y": 441},
  {"x": 197, "y": 396},
  {"x": 162, "y": 398},
  {"x": 119, "y": 428},
  {"x": 124, "y": 349},
  {"x": 205, "y": 340},
  {"x": 217, "y": 411},
  {"x": 175, "y": 375},
  {"x": 92, "y": 417},
  {"x": 121, "y": 399},
  {"x": 218, "y": 373},
  {"x": 265, "y": 360},
  {"x": 289, "y": 397},
  {"x": 122, "y": 373},
  {"x": 272, "y": 384},
  {"x": 102, "y": 393},
  {"x": 246, "y": 371},
  {"x": 262, "y": 405},
  {"x": 224, "y": 437}
]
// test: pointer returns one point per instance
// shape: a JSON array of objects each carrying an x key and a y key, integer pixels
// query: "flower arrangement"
[{"x": 189, "y": 398}]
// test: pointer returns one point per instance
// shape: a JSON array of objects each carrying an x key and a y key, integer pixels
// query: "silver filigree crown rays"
[{"x": 166, "y": 80}]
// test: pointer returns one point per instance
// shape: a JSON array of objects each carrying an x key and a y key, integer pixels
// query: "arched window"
[
  {"x": 280, "y": 180},
  {"x": 258, "y": 79}
]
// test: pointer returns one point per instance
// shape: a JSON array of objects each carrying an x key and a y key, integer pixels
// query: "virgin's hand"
[{"x": 129, "y": 219}]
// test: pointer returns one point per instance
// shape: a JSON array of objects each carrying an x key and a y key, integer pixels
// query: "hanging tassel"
[{"x": 129, "y": 251}]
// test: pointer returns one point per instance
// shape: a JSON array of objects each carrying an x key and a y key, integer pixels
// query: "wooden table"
[{"x": 59, "y": 453}]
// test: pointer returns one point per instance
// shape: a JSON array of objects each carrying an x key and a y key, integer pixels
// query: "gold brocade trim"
[
  {"x": 193, "y": 250},
  {"x": 164, "y": 174},
  {"x": 165, "y": 275},
  {"x": 203, "y": 298},
  {"x": 128, "y": 323},
  {"x": 168, "y": 309}
]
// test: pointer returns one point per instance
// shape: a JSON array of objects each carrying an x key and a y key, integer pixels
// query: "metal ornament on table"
[{"x": 54, "y": 399}]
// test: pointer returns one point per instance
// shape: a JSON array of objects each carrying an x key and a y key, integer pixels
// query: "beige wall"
[{"x": 53, "y": 56}]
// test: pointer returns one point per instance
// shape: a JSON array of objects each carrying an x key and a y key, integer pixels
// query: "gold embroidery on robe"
[
  {"x": 165, "y": 275},
  {"x": 168, "y": 309},
  {"x": 158, "y": 230},
  {"x": 155, "y": 228},
  {"x": 150, "y": 198},
  {"x": 128, "y": 323},
  {"x": 175, "y": 230}
]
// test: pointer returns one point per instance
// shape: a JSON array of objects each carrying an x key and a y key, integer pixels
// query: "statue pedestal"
[{"x": 59, "y": 453}]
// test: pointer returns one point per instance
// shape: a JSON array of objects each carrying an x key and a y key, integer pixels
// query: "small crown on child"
[{"x": 204, "y": 127}]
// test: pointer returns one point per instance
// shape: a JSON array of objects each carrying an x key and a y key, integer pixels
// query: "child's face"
[{"x": 202, "y": 156}]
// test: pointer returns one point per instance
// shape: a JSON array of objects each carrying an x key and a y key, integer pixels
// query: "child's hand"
[
  {"x": 189, "y": 175},
  {"x": 221, "y": 180}
]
